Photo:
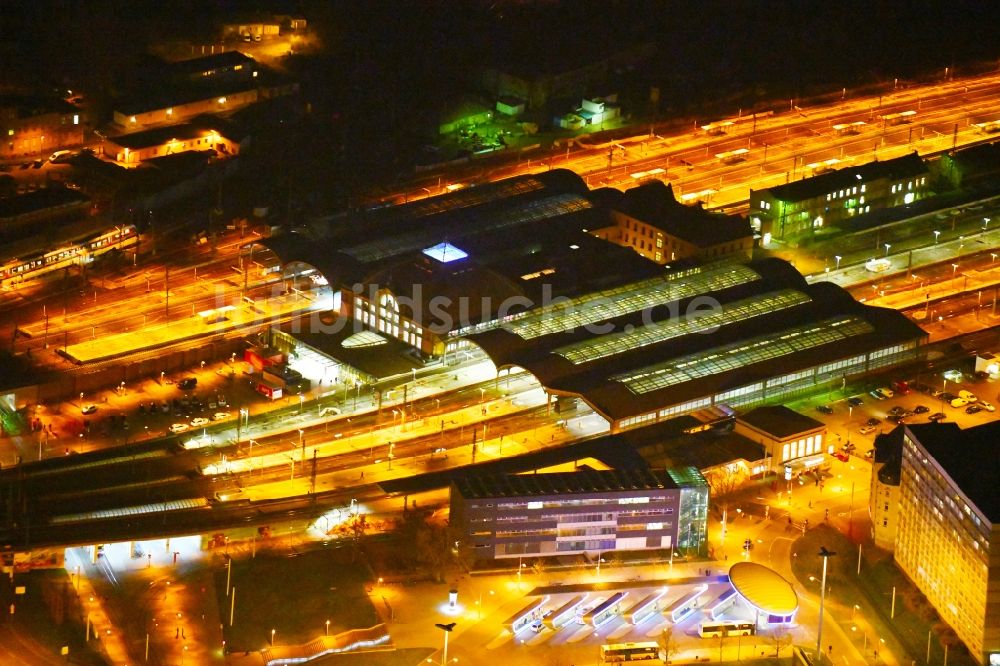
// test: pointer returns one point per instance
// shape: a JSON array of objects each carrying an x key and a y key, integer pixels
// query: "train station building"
[
  {"x": 593, "y": 321},
  {"x": 810, "y": 204},
  {"x": 723, "y": 334}
]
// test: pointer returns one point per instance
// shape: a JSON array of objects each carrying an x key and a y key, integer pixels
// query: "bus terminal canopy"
[{"x": 763, "y": 588}]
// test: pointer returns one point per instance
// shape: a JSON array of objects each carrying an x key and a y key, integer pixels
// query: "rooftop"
[
  {"x": 648, "y": 344},
  {"x": 584, "y": 481},
  {"x": 764, "y": 588},
  {"x": 157, "y": 136},
  {"x": 16, "y": 106},
  {"x": 654, "y": 203},
  {"x": 46, "y": 197},
  {"x": 471, "y": 229},
  {"x": 780, "y": 421},
  {"x": 907, "y": 166},
  {"x": 969, "y": 457},
  {"x": 209, "y": 63}
]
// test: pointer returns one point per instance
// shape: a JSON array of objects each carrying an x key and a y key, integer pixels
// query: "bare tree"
[
  {"x": 667, "y": 643},
  {"x": 780, "y": 639},
  {"x": 724, "y": 481}
]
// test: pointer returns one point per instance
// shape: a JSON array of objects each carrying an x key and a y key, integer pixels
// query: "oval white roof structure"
[{"x": 764, "y": 588}]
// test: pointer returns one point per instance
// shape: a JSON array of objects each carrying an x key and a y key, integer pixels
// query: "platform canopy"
[{"x": 763, "y": 588}]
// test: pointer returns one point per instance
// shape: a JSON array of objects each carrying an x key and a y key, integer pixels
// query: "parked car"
[
  {"x": 876, "y": 394},
  {"x": 825, "y": 409},
  {"x": 900, "y": 387},
  {"x": 968, "y": 395},
  {"x": 88, "y": 409},
  {"x": 220, "y": 416},
  {"x": 895, "y": 418},
  {"x": 987, "y": 406},
  {"x": 948, "y": 397},
  {"x": 885, "y": 391},
  {"x": 959, "y": 402},
  {"x": 897, "y": 410},
  {"x": 922, "y": 388},
  {"x": 187, "y": 383},
  {"x": 864, "y": 430},
  {"x": 199, "y": 422},
  {"x": 937, "y": 416},
  {"x": 973, "y": 409},
  {"x": 179, "y": 427},
  {"x": 920, "y": 409},
  {"x": 842, "y": 456},
  {"x": 873, "y": 421},
  {"x": 855, "y": 401}
]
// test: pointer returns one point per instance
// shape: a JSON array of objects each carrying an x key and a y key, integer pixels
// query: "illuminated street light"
[
  {"x": 954, "y": 269},
  {"x": 986, "y": 223},
  {"x": 327, "y": 627},
  {"x": 887, "y": 246},
  {"x": 826, "y": 555},
  {"x": 936, "y": 234},
  {"x": 447, "y": 629},
  {"x": 272, "y": 638},
  {"x": 838, "y": 258}
]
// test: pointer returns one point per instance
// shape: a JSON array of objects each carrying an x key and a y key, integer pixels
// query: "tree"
[
  {"x": 722, "y": 482},
  {"x": 780, "y": 639},
  {"x": 667, "y": 643}
]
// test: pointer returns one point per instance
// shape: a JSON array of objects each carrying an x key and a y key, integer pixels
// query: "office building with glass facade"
[{"x": 586, "y": 511}]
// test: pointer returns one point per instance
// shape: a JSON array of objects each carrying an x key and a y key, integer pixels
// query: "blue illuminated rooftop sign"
[{"x": 445, "y": 252}]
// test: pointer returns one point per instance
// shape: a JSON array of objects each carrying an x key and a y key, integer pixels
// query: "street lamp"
[
  {"x": 936, "y": 234},
  {"x": 838, "y": 258},
  {"x": 447, "y": 629},
  {"x": 986, "y": 223},
  {"x": 272, "y": 638},
  {"x": 954, "y": 269},
  {"x": 826, "y": 555},
  {"x": 327, "y": 627},
  {"x": 887, "y": 246},
  {"x": 302, "y": 399}
]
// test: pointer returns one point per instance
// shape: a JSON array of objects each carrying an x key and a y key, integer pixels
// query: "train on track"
[{"x": 72, "y": 251}]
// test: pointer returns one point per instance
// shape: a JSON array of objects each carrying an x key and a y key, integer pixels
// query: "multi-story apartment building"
[
  {"x": 587, "y": 511},
  {"x": 883, "y": 497},
  {"x": 38, "y": 125},
  {"x": 812, "y": 203},
  {"x": 948, "y": 538}
]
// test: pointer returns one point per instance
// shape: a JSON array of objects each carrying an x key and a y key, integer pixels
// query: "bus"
[
  {"x": 721, "y": 603},
  {"x": 565, "y": 613},
  {"x": 716, "y": 629},
  {"x": 526, "y": 615},
  {"x": 614, "y": 653},
  {"x": 685, "y": 606},
  {"x": 645, "y": 607},
  {"x": 606, "y": 610}
]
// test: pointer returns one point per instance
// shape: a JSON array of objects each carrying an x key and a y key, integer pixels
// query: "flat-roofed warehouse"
[{"x": 728, "y": 333}]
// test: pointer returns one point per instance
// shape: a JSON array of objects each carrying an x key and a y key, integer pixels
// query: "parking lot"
[{"x": 854, "y": 419}]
